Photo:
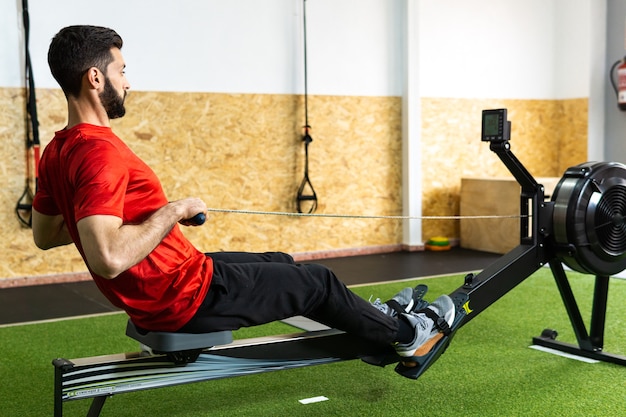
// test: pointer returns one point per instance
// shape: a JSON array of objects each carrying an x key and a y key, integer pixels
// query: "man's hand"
[{"x": 195, "y": 210}]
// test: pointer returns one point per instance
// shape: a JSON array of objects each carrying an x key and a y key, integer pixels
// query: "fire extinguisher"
[{"x": 620, "y": 88}]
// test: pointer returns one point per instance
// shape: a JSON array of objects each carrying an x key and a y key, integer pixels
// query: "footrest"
[
  {"x": 164, "y": 342},
  {"x": 420, "y": 292},
  {"x": 422, "y": 363}
]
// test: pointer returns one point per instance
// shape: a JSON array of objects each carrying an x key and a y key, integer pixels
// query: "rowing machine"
[{"x": 582, "y": 227}]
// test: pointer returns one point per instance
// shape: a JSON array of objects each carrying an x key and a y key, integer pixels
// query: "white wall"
[
  {"x": 574, "y": 47},
  {"x": 531, "y": 49},
  {"x": 469, "y": 48},
  {"x": 11, "y": 40},
  {"x": 236, "y": 46},
  {"x": 487, "y": 49}
]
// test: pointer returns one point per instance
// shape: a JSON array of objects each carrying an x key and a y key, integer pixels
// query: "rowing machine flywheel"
[{"x": 589, "y": 218}]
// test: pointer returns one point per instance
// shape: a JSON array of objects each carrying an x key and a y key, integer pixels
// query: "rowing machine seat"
[{"x": 179, "y": 347}]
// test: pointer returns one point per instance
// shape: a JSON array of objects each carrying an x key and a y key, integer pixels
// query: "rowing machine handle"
[{"x": 198, "y": 219}]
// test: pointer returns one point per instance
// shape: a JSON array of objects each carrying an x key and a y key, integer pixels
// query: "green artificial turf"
[{"x": 488, "y": 370}]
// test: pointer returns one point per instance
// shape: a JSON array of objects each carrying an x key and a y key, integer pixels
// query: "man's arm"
[
  {"x": 49, "y": 231},
  {"x": 112, "y": 247}
]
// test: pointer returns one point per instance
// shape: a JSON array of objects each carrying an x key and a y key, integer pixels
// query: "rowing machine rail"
[
  {"x": 582, "y": 227},
  {"x": 103, "y": 376}
]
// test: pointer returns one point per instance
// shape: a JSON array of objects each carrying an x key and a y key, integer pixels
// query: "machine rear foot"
[{"x": 549, "y": 334}]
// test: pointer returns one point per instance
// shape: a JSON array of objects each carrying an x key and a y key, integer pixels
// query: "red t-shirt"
[{"x": 87, "y": 170}]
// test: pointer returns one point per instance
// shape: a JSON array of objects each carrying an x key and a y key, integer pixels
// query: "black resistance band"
[
  {"x": 23, "y": 209},
  {"x": 306, "y": 138}
]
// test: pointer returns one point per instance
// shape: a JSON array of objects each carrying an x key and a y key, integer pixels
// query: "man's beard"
[{"x": 111, "y": 101}]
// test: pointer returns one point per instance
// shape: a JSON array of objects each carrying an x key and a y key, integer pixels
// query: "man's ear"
[{"x": 94, "y": 78}]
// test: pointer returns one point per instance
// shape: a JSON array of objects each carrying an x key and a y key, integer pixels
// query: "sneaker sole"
[
  {"x": 430, "y": 343},
  {"x": 425, "y": 348}
]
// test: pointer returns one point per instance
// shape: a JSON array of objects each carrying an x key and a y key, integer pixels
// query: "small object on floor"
[
  {"x": 438, "y": 243},
  {"x": 313, "y": 400}
]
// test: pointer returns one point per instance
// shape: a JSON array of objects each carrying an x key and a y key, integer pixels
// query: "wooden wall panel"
[
  {"x": 244, "y": 152},
  {"x": 239, "y": 152}
]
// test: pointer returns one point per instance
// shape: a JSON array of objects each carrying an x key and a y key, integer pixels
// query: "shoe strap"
[
  {"x": 440, "y": 322},
  {"x": 396, "y": 306}
]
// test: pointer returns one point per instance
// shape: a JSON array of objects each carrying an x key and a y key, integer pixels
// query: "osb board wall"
[
  {"x": 245, "y": 152},
  {"x": 548, "y": 136},
  {"x": 236, "y": 152}
]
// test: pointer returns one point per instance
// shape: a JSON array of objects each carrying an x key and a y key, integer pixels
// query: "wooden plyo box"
[{"x": 494, "y": 197}]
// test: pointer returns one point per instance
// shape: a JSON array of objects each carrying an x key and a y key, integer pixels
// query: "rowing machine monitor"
[{"x": 495, "y": 126}]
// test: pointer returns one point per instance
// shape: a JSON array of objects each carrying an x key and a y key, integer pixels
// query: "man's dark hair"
[{"x": 75, "y": 49}]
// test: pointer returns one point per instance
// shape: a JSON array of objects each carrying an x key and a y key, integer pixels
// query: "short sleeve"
[
  {"x": 44, "y": 202},
  {"x": 99, "y": 179}
]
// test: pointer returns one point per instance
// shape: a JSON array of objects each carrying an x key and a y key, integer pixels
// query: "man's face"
[{"x": 115, "y": 87}]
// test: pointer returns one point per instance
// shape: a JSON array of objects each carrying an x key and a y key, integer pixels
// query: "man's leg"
[
  {"x": 407, "y": 300},
  {"x": 248, "y": 294}
]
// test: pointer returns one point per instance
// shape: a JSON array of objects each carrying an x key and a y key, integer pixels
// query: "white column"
[
  {"x": 411, "y": 130},
  {"x": 599, "y": 79}
]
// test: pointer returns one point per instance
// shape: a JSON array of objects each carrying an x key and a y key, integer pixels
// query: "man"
[{"x": 96, "y": 193}]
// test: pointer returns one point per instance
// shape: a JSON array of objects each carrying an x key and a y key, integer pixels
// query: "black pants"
[{"x": 256, "y": 288}]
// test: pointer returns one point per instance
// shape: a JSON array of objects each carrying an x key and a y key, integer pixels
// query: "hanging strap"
[
  {"x": 306, "y": 191},
  {"x": 23, "y": 208}
]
